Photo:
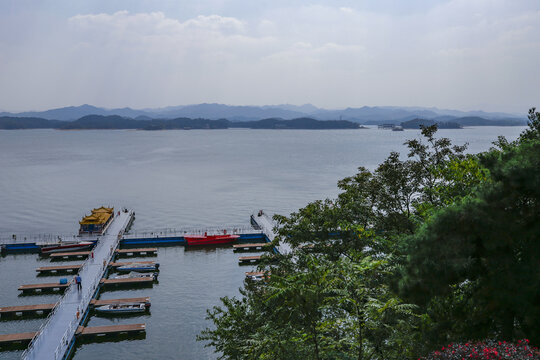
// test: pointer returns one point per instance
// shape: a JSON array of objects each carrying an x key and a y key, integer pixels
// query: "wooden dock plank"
[
  {"x": 59, "y": 268},
  {"x": 43, "y": 286},
  {"x": 16, "y": 338},
  {"x": 142, "y": 280},
  {"x": 118, "y": 264},
  {"x": 257, "y": 273},
  {"x": 70, "y": 254},
  {"x": 110, "y": 329},
  {"x": 251, "y": 246},
  {"x": 26, "y": 308},
  {"x": 95, "y": 302},
  {"x": 249, "y": 258},
  {"x": 140, "y": 250}
]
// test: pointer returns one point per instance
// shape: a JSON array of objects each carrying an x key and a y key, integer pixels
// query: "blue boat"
[{"x": 138, "y": 267}]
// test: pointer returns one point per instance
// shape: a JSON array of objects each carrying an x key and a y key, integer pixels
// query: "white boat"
[
  {"x": 66, "y": 246},
  {"x": 121, "y": 308},
  {"x": 138, "y": 267},
  {"x": 135, "y": 274},
  {"x": 257, "y": 275}
]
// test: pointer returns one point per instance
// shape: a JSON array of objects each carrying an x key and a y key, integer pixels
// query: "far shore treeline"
[{"x": 115, "y": 122}]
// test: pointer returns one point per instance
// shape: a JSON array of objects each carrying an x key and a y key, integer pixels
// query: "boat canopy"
[{"x": 98, "y": 216}]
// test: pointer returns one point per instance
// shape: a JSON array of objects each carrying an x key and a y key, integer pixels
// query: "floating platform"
[
  {"x": 132, "y": 281},
  {"x": 109, "y": 330},
  {"x": 145, "y": 300},
  {"x": 118, "y": 264},
  {"x": 25, "y": 309},
  {"x": 138, "y": 252},
  {"x": 252, "y": 246},
  {"x": 257, "y": 273},
  {"x": 249, "y": 259},
  {"x": 10, "y": 339},
  {"x": 59, "y": 269},
  {"x": 43, "y": 287},
  {"x": 70, "y": 255},
  {"x": 154, "y": 241}
]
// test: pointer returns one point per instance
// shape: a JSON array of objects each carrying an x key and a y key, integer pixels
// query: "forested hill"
[
  {"x": 301, "y": 123},
  {"x": 456, "y": 123},
  {"x": 118, "y": 122}
]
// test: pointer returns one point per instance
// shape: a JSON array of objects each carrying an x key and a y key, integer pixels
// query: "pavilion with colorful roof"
[{"x": 97, "y": 221}]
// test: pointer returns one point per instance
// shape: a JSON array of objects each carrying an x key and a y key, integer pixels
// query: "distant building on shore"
[{"x": 97, "y": 221}]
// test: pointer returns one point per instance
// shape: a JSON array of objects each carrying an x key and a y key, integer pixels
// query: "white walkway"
[
  {"x": 55, "y": 335},
  {"x": 267, "y": 225}
]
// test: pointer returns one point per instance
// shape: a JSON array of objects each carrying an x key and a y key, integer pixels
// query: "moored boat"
[
  {"x": 138, "y": 267},
  {"x": 257, "y": 275},
  {"x": 210, "y": 239},
  {"x": 66, "y": 246},
  {"x": 121, "y": 308}
]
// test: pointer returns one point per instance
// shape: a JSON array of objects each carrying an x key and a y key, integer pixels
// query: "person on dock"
[{"x": 78, "y": 280}]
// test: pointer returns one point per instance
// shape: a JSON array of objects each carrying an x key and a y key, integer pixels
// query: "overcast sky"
[{"x": 459, "y": 54}]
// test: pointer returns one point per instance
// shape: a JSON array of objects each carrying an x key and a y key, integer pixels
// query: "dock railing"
[
  {"x": 172, "y": 232},
  {"x": 83, "y": 305},
  {"x": 41, "y": 239}
]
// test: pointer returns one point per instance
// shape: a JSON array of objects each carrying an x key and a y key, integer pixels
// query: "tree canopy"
[{"x": 427, "y": 249}]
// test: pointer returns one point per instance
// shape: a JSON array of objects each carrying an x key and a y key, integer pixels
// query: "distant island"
[
  {"x": 418, "y": 123},
  {"x": 115, "y": 122}
]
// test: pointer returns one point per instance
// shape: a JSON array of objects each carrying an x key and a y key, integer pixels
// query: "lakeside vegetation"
[{"x": 434, "y": 256}]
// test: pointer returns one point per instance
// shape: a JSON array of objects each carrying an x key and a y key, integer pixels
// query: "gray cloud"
[{"x": 464, "y": 54}]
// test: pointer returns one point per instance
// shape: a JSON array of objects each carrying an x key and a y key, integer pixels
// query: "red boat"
[
  {"x": 210, "y": 239},
  {"x": 66, "y": 246}
]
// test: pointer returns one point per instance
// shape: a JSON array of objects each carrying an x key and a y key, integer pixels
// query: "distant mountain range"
[{"x": 364, "y": 115}]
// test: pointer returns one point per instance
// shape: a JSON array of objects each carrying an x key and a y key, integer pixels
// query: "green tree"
[
  {"x": 478, "y": 258},
  {"x": 460, "y": 228}
]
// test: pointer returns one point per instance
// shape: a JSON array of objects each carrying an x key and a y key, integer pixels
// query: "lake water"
[{"x": 175, "y": 179}]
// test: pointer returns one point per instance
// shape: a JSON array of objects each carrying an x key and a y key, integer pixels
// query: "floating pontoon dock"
[
  {"x": 138, "y": 252},
  {"x": 70, "y": 255},
  {"x": 43, "y": 287},
  {"x": 110, "y": 329},
  {"x": 249, "y": 259},
  {"x": 59, "y": 269},
  {"x": 55, "y": 339},
  {"x": 257, "y": 273},
  {"x": 129, "y": 281},
  {"x": 19, "y": 338},
  {"x": 262, "y": 221},
  {"x": 25, "y": 309},
  {"x": 145, "y": 300},
  {"x": 248, "y": 247},
  {"x": 118, "y": 264}
]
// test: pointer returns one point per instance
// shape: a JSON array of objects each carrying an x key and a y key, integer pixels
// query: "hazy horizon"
[
  {"x": 518, "y": 113},
  {"x": 465, "y": 55}
]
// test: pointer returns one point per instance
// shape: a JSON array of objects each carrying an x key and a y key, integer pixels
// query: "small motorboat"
[
  {"x": 121, "y": 308},
  {"x": 66, "y": 246},
  {"x": 139, "y": 267},
  {"x": 257, "y": 275},
  {"x": 134, "y": 274},
  {"x": 210, "y": 239}
]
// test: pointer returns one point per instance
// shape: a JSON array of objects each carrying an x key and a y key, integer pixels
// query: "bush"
[{"x": 486, "y": 350}]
